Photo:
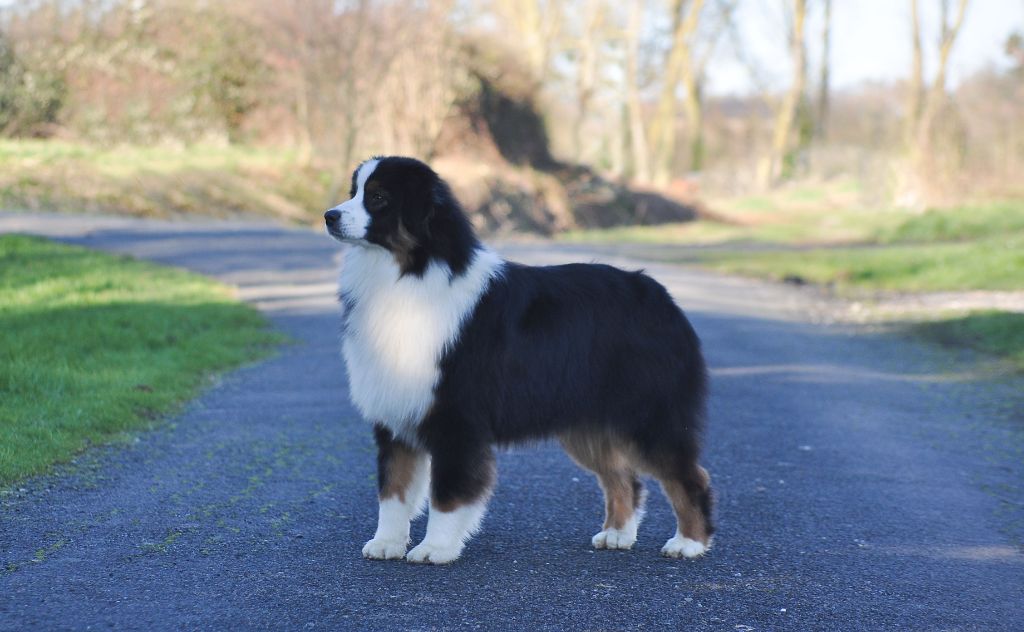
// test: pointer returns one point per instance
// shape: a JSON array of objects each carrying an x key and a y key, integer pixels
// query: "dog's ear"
[
  {"x": 447, "y": 232},
  {"x": 403, "y": 245},
  {"x": 440, "y": 199}
]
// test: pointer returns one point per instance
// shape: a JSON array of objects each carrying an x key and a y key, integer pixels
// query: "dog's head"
[{"x": 401, "y": 205}]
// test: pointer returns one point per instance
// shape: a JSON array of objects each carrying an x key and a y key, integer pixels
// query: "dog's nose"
[{"x": 332, "y": 216}]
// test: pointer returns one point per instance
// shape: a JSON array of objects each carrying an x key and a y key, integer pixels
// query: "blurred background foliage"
[{"x": 547, "y": 115}]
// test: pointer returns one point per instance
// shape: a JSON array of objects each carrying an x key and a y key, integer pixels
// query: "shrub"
[{"x": 30, "y": 101}]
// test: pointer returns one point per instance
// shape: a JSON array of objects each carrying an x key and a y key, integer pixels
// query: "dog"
[{"x": 451, "y": 350}]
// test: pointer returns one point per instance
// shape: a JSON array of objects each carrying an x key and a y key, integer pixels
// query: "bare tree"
[
  {"x": 937, "y": 93},
  {"x": 773, "y": 168},
  {"x": 678, "y": 68},
  {"x": 537, "y": 25},
  {"x": 588, "y": 48},
  {"x": 821, "y": 113},
  {"x": 693, "y": 83},
  {"x": 634, "y": 108},
  {"x": 923, "y": 106}
]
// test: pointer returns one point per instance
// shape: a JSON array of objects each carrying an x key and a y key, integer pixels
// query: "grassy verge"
[
  {"x": 994, "y": 263},
  {"x": 95, "y": 345},
  {"x": 996, "y": 333},
  {"x": 962, "y": 223},
  {"x": 159, "y": 181}
]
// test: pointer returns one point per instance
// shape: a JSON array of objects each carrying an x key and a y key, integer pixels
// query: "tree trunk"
[
  {"x": 773, "y": 169},
  {"x": 821, "y": 117},
  {"x": 937, "y": 93},
  {"x": 637, "y": 136},
  {"x": 586, "y": 73},
  {"x": 924, "y": 107},
  {"x": 302, "y": 110},
  {"x": 694, "y": 107},
  {"x": 916, "y": 88},
  {"x": 537, "y": 24},
  {"x": 694, "y": 83},
  {"x": 678, "y": 68}
]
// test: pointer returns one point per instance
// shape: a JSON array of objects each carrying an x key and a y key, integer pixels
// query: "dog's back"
[{"x": 549, "y": 349}]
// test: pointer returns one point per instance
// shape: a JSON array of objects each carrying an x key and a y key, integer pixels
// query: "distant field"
[
  {"x": 94, "y": 345},
  {"x": 158, "y": 181}
]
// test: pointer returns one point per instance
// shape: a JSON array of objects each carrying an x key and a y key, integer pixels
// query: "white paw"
[
  {"x": 381, "y": 549},
  {"x": 681, "y": 546},
  {"x": 614, "y": 539},
  {"x": 424, "y": 553}
]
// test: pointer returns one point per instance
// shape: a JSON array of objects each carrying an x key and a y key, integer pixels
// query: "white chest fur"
[{"x": 398, "y": 329}]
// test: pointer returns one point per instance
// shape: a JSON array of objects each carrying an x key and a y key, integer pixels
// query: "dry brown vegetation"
[{"x": 547, "y": 115}]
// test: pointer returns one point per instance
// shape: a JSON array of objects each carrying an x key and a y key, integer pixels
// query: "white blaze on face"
[{"x": 354, "y": 218}]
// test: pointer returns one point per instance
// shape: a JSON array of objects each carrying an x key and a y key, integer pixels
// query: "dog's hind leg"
[
  {"x": 403, "y": 475},
  {"x": 688, "y": 488},
  {"x": 624, "y": 493}
]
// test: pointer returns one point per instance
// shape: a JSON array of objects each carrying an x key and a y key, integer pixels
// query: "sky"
[{"x": 870, "y": 41}]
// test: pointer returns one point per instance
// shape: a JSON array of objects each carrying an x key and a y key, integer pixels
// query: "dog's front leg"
[
  {"x": 403, "y": 476},
  {"x": 460, "y": 486}
]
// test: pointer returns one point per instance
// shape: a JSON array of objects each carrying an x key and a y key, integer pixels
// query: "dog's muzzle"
[{"x": 333, "y": 220}]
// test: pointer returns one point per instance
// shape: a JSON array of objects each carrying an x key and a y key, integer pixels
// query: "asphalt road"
[{"x": 865, "y": 482}]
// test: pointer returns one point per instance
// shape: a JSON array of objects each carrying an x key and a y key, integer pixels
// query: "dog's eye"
[{"x": 377, "y": 199}]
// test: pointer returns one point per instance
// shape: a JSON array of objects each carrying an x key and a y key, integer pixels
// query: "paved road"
[{"x": 865, "y": 482}]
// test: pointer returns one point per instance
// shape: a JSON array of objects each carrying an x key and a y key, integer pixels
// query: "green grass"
[
  {"x": 96, "y": 345},
  {"x": 996, "y": 333},
  {"x": 995, "y": 263},
  {"x": 960, "y": 223}
]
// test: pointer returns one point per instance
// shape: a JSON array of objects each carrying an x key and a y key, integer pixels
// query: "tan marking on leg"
[
  {"x": 607, "y": 457},
  {"x": 619, "y": 499},
  {"x": 400, "y": 471},
  {"x": 690, "y": 518}
]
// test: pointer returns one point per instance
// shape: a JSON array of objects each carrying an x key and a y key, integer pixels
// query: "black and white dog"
[{"x": 451, "y": 350}]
